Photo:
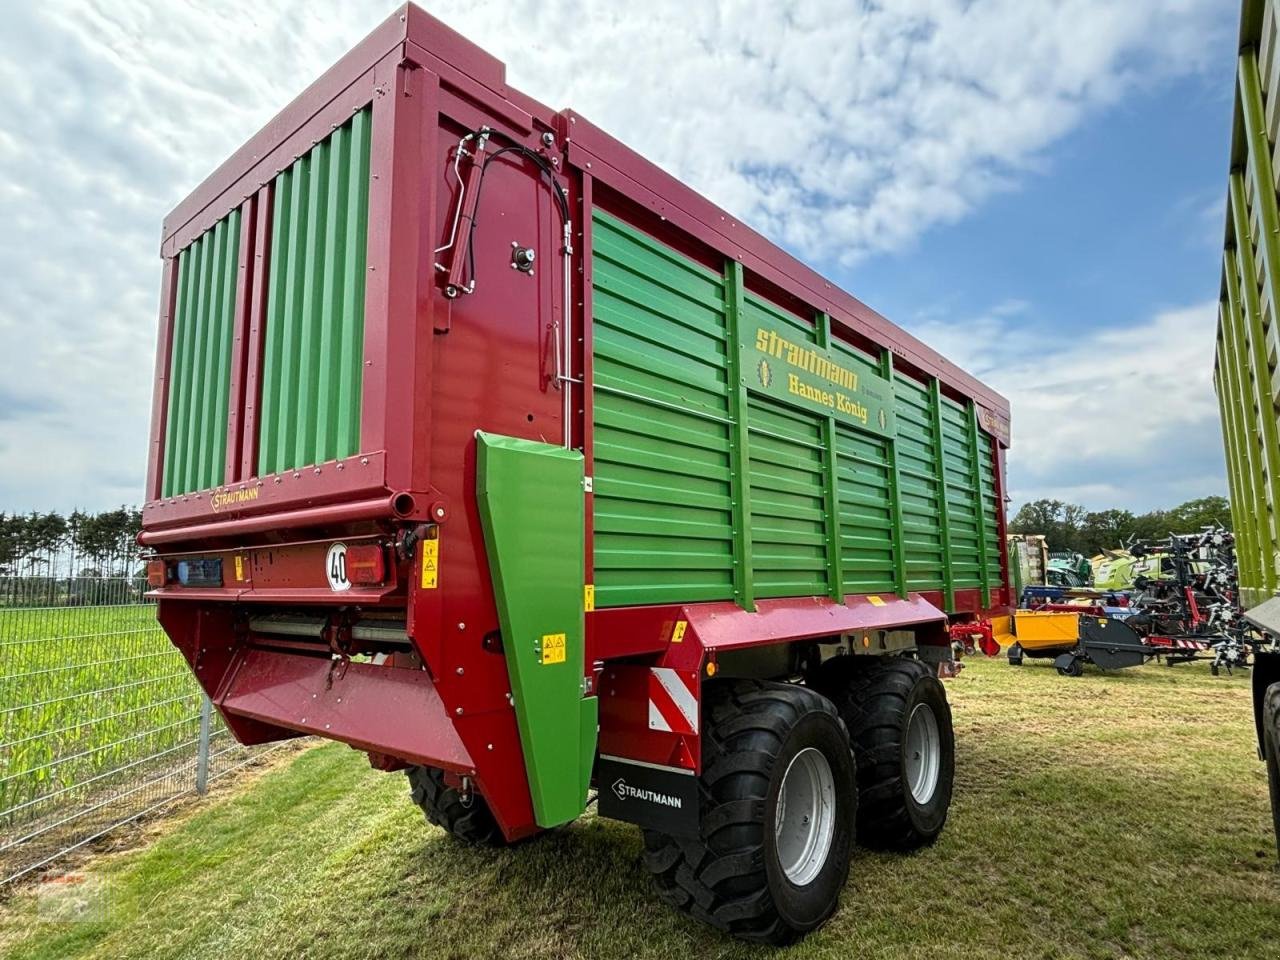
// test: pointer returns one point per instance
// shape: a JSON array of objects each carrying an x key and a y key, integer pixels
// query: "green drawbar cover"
[{"x": 531, "y": 507}]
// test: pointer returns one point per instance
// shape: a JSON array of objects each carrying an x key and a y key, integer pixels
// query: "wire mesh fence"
[{"x": 101, "y": 721}]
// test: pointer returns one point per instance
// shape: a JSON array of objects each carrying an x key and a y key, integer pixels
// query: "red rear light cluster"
[{"x": 366, "y": 565}]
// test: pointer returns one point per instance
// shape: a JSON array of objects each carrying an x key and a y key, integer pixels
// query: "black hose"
[{"x": 543, "y": 165}]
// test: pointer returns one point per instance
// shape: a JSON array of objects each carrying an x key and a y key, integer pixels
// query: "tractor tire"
[
  {"x": 1015, "y": 655},
  {"x": 1271, "y": 751},
  {"x": 904, "y": 745},
  {"x": 471, "y": 822},
  {"x": 777, "y": 812}
]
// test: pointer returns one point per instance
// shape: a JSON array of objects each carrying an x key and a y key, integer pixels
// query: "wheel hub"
[
  {"x": 924, "y": 753},
  {"x": 804, "y": 822}
]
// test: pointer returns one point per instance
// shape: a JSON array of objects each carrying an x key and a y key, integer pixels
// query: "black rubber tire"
[
  {"x": 1271, "y": 751},
  {"x": 442, "y": 804},
  {"x": 730, "y": 876},
  {"x": 1015, "y": 655},
  {"x": 1074, "y": 669},
  {"x": 875, "y": 697}
]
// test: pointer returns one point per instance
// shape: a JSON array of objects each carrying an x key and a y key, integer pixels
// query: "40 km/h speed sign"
[{"x": 335, "y": 568}]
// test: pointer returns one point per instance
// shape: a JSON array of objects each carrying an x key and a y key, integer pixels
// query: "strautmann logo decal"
[
  {"x": 833, "y": 392},
  {"x": 232, "y": 498},
  {"x": 625, "y": 791}
]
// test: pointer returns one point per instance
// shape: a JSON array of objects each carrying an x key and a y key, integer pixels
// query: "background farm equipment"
[{"x": 1188, "y": 612}]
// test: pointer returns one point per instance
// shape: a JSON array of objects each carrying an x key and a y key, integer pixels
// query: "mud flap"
[
  {"x": 531, "y": 507},
  {"x": 651, "y": 796}
]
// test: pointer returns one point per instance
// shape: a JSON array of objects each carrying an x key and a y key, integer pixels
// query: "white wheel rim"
[
  {"x": 805, "y": 818},
  {"x": 924, "y": 753}
]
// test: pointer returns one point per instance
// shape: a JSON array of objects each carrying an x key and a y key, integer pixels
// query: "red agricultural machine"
[{"x": 483, "y": 446}]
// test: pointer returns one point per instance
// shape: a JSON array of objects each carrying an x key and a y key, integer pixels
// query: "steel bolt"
[
  {"x": 462, "y": 626},
  {"x": 458, "y": 711},
  {"x": 459, "y": 671}
]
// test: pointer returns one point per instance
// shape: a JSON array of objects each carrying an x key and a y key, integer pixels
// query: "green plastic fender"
[{"x": 532, "y": 510}]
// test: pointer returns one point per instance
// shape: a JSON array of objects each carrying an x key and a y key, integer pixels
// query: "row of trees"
[
  {"x": 82, "y": 544},
  {"x": 1069, "y": 527}
]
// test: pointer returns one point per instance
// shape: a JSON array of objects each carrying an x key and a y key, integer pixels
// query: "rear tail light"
[
  {"x": 366, "y": 565},
  {"x": 157, "y": 573}
]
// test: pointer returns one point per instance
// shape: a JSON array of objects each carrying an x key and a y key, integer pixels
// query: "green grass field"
[
  {"x": 1109, "y": 816},
  {"x": 83, "y": 691}
]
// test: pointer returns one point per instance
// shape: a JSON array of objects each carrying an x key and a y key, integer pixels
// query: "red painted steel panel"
[
  {"x": 264, "y": 201},
  {"x": 160, "y": 392},
  {"x": 240, "y": 338},
  {"x": 384, "y": 709}
]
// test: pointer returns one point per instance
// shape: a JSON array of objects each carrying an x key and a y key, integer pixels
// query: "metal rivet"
[
  {"x": 462, "y": 626},
  {"x": 458, "y": 711}
]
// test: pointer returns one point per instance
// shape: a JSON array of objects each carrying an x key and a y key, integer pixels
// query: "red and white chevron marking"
[
  {"x": 673, "y": 700},
  {"x": 1179, "y": 643}
]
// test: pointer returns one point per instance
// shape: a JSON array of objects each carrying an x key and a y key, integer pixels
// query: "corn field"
[{"x": 101, "y": 721}]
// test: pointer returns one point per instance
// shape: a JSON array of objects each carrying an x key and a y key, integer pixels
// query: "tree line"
[
  {"x": 1071, "y": 528},
  {"x": 81, "y": 544}
]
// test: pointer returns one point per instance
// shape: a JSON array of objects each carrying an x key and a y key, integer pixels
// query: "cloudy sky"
[{"x": 1035, "y": 188}]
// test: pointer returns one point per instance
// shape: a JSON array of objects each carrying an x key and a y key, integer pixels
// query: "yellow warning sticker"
[
  {"x": 239, "y": 567},
  {"x": 875, "y": 601},
  {"x": 553, "y": 645},
  {"x": 677, "y": 632},
  {"x": 430, "y": 564},
  {"x": 589, "y": 597}
]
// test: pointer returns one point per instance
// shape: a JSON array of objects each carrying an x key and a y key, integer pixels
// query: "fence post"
[{"x": 202, "y": 754}]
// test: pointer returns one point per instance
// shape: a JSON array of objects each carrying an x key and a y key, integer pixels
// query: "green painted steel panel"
[
  {"x": 195, "y": 443},
  {"x": 865, "y": 495},
  {"x": 663, "y": 488},
  {"x": 991, "y": 507},
  {"x": 711, "y": 483},
  {"x": 314, "y": 330},
  {"x": 540, "y": 610},
  {"x": 788, "y": 506},
  {"x": 918, "y": 483}
]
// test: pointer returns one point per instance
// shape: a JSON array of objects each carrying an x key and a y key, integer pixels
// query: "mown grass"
[
  {"x": 1110, "y": 816},
  {"x": 85, "y": 690}
]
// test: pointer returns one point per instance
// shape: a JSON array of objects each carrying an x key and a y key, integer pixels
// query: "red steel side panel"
[
  {"x": 396, "y": 346},
  {"x": 265, "y": 203},
  {"x": 160, "y": 392},
  {"x": 240, "y": 338}
]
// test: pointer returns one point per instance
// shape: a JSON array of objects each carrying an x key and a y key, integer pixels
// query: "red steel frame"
[{"x": 425, "y": 82}]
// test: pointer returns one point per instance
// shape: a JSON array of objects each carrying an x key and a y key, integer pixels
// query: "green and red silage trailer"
[
  {"x": 484, "y": 446},
  {"x": 1245, "y": 374}
]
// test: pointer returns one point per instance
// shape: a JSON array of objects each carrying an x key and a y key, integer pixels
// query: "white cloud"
[
  {"x": 1120, "y": 417},
  {"x": 839, "y": 128}
]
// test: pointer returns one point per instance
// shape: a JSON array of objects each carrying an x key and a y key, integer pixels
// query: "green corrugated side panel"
[
  {"x": 788, "y": 510},
  {"x": 314, "y": 332},
  {"x": 662, "y": 481},
  {"x": 786, "y": 473},
  {"x": 866, "y": 511},
  {"x": 921, "y": 513},
  {"x": 540, "y": 610},
  {"x": 195, "y": 445},
  {"x": 990, "y": 507},
  {"x": 964, "y": 522}
]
